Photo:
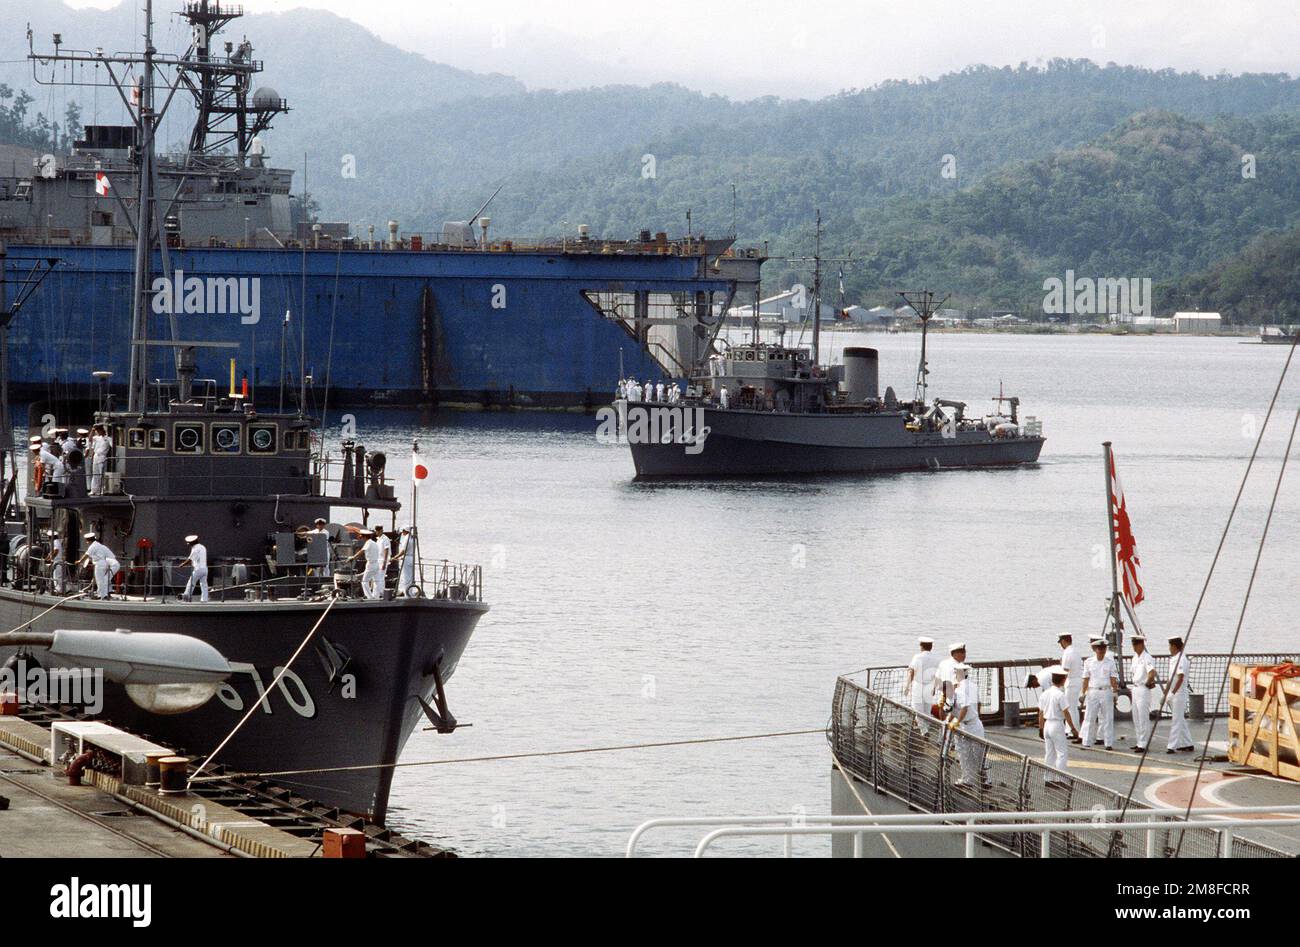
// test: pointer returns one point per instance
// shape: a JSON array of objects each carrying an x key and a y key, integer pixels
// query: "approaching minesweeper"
[{"x": 769, "y": 409}]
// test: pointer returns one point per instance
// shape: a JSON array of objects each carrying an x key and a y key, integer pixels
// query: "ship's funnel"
[{"x": 861, "y": 374}]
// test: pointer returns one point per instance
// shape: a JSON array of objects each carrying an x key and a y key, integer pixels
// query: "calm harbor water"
[{"x": 629, "y": 613}]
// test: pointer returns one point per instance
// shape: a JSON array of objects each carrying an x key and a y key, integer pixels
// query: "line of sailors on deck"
[
  {"x": 942, "y": 688},
  {"x": 55, "y": 455},
  {"x": 629, "y": 389},
  {"x": 377, "y": 550}
]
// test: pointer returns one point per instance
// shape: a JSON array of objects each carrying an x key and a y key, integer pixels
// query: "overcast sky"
[{"x": 795, "y": 48}]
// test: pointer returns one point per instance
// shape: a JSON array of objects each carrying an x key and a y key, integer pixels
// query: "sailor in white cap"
[
  {"x": 58, "y": 568},
  {"x": 106, "y": 564},
  {"x": 1180, "y": 666},
  {"x": 1073, "y": 664},
  {"x": 372, "y": 580},
  {"x": 918, "y": 684},
  {"x": 943, "y": 683},
  {"x": 320, "y": 527},
  {"x": 1100, "y": 684},
  {"x": 1053, "y": 717},
  {"x": 198, "y": 561},
  {"x": 406, "y": 560},
  {"x": 1142, "y": 676},
  {"x": 100, "y": 447},
  {"x": 965, "y": 717}
]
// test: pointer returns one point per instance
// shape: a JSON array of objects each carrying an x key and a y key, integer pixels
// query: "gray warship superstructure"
[
  {"x": 472, "y": 317},
  {"x": 218, "y": 189},
  {"x": 761, "y": 409},
  {"x": 187, "y": 456}
]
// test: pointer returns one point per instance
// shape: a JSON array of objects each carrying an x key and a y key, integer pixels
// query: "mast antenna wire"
[
  {"x": 1241, "y": 618},
  {"x": 1223, "y": 537}
]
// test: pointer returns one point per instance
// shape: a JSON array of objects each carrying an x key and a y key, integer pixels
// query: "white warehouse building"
[{"x": 1197, "y": 321}]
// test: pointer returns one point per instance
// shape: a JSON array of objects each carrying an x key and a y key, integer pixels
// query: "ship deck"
[{"x": 1166, "y": 781}]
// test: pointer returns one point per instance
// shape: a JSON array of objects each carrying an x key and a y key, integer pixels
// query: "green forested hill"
[
  {"x": 984, "y": 181},
  {"x": 1259, "y": 284},
  {"x": 1158, "y": 197}
]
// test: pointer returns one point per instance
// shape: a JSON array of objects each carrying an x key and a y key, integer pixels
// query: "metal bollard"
[
  {"x": 1196, "y": 706},
  {"x": 1011, "y": 713}
]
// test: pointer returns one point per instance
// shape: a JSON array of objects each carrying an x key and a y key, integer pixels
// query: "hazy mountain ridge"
[{"x": 986, "y": 180}]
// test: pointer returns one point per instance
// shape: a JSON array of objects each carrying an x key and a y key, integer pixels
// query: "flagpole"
[
  {"x": 1116, "y": 618},
  {"x": 415, "y": 452}
]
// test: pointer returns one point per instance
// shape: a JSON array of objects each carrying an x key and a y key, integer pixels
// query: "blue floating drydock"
[{"x": 383, "y": 326}]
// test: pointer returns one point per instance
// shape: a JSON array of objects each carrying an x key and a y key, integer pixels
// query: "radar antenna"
[{"x": 925, "y": 307}]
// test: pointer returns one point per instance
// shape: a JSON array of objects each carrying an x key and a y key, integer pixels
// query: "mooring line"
[
  {"x": 512, "y": 756},
  {"x": 848, "y": 781},
  {"x": 61, "y": 601},
  {"x": 266, "y": 695}
]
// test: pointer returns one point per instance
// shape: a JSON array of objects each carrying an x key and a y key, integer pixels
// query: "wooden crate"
[{"x": 1263, "y": 717}]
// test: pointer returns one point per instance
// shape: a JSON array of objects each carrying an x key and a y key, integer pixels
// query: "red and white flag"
[
  {"x": 1125, "y": 545},
  {"x": 419, "y": 469},
  {"x": 101, "y": 183}
]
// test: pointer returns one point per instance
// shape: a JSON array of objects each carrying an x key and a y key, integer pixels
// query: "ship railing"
[
  {"x": 239, "y": 580},
  {"x": 970, "y": 824},
  {"x": 915, "y": 759},
  {"x": 1002, "y": 684}
]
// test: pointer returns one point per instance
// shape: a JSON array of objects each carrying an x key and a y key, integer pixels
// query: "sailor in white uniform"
[
  {"x": 60, "y": 470},
  {"x": 106, "y": 564},
  {"x": 372, "y": 580},
  {"x": 100, "y": 447},
  {"x": 964, "y": 719},
  {"x": 1142, "y": 687},
  {"x": 198, "y": 561},
  {"x": 1180, "y": 666},
  {"x": 58, "y": 568},
  {"x": 1053, "y": 717},
  {"x": 724, "y": 398},
  {"x": 918, "y": 685},
  {"x": 1073, "y": 664},
  {"x": 321, "y": 528},
  {"x": 406, "y": 560},
  {"x": 1100, "y": 683},
  {"x": 943, "y": 683}
]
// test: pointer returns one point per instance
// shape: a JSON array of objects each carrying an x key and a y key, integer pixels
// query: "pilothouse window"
[
  {"x": 261, "y": 440},
  {"x": 189, "y": 438},
  {"x": 225, "y": 438}
]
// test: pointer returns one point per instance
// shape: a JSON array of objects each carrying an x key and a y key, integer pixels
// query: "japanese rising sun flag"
[
  {"x": 1125, "y": 546},
  {"x": 101, "y": 183},
  {"x": 419, "y": 469}
]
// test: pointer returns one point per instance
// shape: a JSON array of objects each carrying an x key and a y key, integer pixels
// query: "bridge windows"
[
  {"x": 261, "y": 438},
  {"x": 189, "y": 437},
  {"x": 226, "y": 438}
]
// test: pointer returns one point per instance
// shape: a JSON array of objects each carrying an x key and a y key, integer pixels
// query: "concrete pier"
[{"x": 47, "y": 818}]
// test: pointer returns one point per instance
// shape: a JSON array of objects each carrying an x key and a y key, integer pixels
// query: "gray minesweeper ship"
[
  {"x": 193, "y": 460},
  {"x": 189, "y": 457},
  {"x": 762, "y": 409}
]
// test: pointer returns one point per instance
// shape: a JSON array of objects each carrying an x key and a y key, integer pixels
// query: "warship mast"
[
  {"x": 924, "y": 306},
  {"x": 220, "y": 92}
]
